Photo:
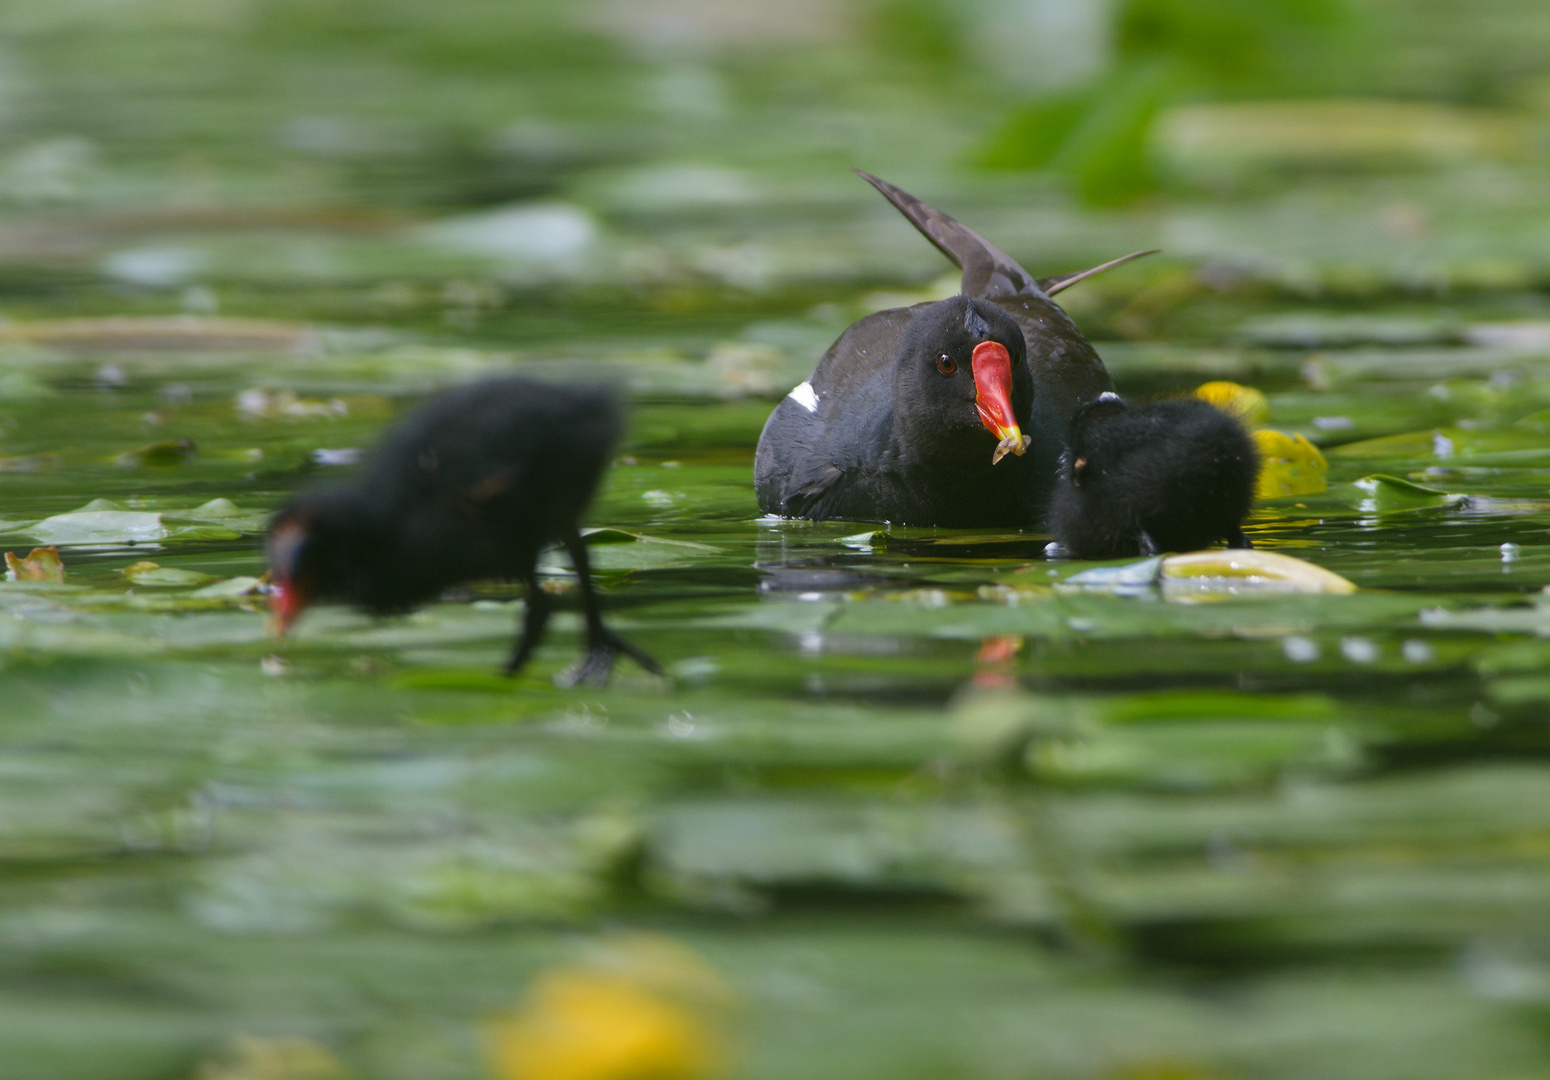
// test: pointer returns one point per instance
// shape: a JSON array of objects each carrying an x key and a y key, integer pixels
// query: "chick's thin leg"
[
  {"x": 534, "y": 618},
  {"x": 602, "y": 643}
]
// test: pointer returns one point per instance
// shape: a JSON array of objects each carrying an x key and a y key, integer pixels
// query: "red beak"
[
  {"x": 992, "y": 366},
  {"x": 287, "y": 602}
]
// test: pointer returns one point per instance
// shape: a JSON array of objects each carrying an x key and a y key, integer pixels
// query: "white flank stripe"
[{"x": 803, "y": 395}]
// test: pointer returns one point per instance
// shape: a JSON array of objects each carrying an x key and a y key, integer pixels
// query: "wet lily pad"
[{"x": 1385, "y": 494}]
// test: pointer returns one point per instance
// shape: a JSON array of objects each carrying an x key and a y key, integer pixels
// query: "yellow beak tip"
[{"x": 1012, "y": 441}]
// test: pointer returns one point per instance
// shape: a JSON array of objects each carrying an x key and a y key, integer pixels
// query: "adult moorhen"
[
  {"x": 473, "y": 485},
  {"x": 1139, "y": 480},
  {"x": 918, "y": 415}
]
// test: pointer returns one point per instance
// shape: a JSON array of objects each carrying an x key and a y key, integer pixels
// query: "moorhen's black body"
[
  {"x": 473, "y": 485},
  {"x": 917, "y": 415},
  {"x": 1139, "y": 480}
]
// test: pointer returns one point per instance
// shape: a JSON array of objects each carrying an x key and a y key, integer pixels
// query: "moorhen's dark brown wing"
[{"x": 987, "y": 270}]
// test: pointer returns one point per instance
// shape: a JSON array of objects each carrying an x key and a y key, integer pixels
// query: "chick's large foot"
[{"x": 593, "y": 669}]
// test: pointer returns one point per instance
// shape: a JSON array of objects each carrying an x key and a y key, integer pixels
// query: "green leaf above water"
[
  {"x": 149, "y": 573},
  {"x": 1390, "y": 494}
]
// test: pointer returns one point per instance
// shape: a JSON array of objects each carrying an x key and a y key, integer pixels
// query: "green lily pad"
[
  {"x": 148, "y": 573},
  {"x": 1386, "y": 494}
]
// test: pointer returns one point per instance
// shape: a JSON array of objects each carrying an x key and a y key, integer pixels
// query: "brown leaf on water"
[{"x": 41, "y": 564}]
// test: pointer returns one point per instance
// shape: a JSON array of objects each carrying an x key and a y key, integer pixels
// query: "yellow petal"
[
  {"x": 1244, "y": 402},
  {"x": 1235, "y": 570},
  {"x": 586, "y": 1025},
  {"x": 1288, "y": 465}
]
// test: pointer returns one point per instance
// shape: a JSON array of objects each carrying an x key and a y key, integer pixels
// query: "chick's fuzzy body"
[
  {"x": 1175, "y": 475},
  {"x": 471, "y": 486}
]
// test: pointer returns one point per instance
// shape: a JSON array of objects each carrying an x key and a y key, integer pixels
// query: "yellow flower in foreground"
[
  {"x": 1289, "y": 465},
  {"x": 643, "y": 1010},
  {"x": 581, "y": 1025},
  {"x": 1235, "y": 399}
]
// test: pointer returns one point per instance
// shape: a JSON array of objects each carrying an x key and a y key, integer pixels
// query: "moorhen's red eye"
[{"x": 946, "y": 364}]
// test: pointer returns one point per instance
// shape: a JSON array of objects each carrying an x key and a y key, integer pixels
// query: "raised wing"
[{"x": 987, "y": 270}]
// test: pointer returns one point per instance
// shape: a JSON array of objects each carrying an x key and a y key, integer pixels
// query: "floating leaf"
[
  {"x": 1289, "y": 465},
  {"x": 41, "y": 564},
  {"x": 100, "y": 527},
  {"x": 1225, "y": 572},
  {"x": 1389, "y": 494},
  {"x": 1235, "y": 399},
  {"x": 149, "y": 573},
  {"x": 623, "y": 536},
  {"x": 225, "y": 513},
  {"x": 1237, "y": 571},
  {"x": 232, "y": 588},
  {"x": 1128, "y": 580}
]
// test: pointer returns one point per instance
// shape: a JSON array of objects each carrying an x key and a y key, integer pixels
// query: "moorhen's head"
[
  {"x": 961, "y": 380},
  {"x": 322, "y": 545}
]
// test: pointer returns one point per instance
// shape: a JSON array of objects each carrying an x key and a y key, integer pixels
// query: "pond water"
[{"x": 926, "y": 807}]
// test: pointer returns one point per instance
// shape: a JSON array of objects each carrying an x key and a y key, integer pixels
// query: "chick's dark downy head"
[{"x": 321, "y": 546}]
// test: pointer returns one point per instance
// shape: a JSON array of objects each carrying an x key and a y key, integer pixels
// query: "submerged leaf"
[
  {"x": 41, "y": 564},
  {"x": 1289, "y": 465}
]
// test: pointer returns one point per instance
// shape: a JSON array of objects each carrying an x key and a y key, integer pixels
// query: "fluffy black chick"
[
  {"x": 1139, "y": 480},
  {"x": 473, "y": 485}
]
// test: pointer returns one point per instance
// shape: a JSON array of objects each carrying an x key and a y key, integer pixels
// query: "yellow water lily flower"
[
  {"x": 1289, "y": 465},
  {"x": 644, "y": 1009},
  {"x": 1235, "y": 399}
]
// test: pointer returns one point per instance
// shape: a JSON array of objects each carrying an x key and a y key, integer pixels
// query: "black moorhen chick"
[
  {"x": 473, "y": 485},
  {"x": 911, "y": 415},
  {"x": 1139, "y": 480}
]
